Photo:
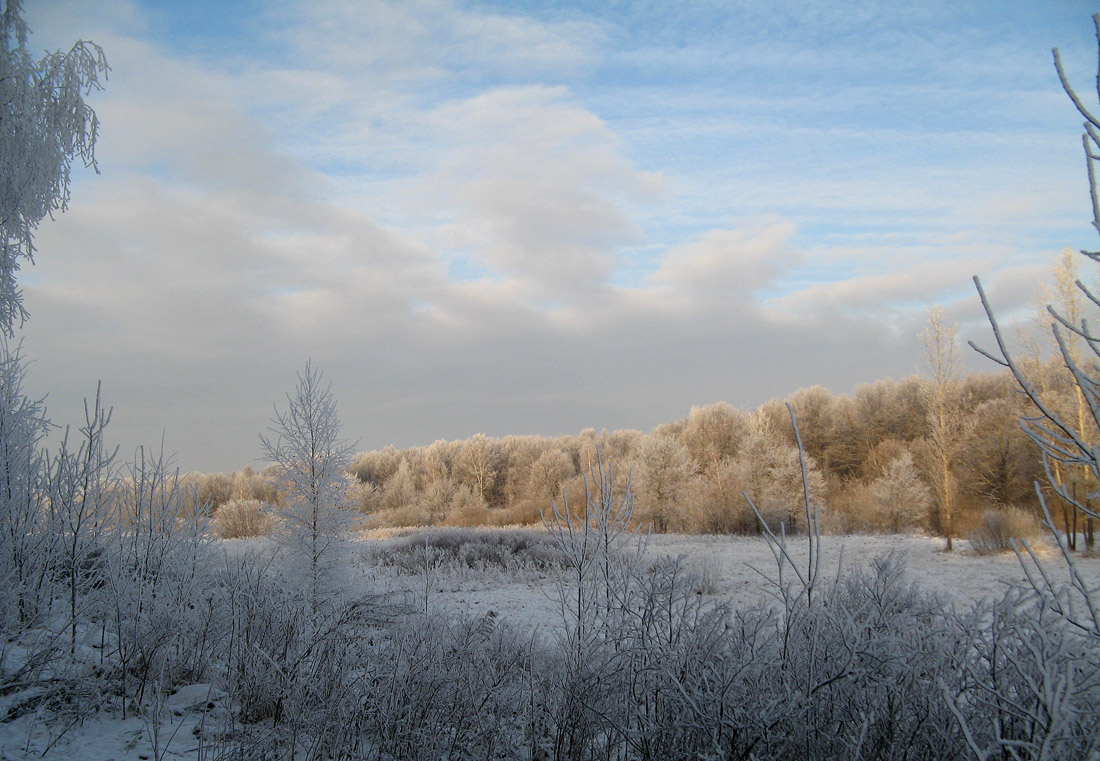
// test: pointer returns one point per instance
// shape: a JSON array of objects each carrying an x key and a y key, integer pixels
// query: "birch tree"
[
  {"x": 25, "y": 544},
  {"x": 1067, "y": 300},
  {"x": 941, "y": 355},
  {"x": 46, "y": 124},
  {"x": 478, "y": 464},
  {"x": 311, "y": 459},
  {"x": 1056, "y": 433}
]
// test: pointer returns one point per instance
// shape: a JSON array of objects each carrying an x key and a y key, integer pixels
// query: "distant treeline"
[{"x": 872, "y": 458}]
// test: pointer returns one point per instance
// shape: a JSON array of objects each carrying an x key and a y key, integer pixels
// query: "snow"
[
  {"x": 528, "y": 600},
  {"x": 962, "y": 576}
]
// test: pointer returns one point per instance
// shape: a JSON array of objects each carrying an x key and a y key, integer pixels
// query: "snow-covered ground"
[
  {"x": 740, "y": 565},
  {"x": 738, "y": 568}
]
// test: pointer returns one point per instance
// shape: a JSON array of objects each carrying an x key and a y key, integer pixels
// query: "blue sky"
[{"x": 521, "y": 217}]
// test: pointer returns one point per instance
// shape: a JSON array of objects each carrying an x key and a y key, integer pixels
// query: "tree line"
[{"x": 874, "y": 460}]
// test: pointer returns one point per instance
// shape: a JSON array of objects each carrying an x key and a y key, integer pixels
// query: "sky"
[{"x": 540, "y": 217}]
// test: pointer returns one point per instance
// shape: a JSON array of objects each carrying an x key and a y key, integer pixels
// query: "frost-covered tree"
[
  {"x": 25, "y": 544},
  {"x": 770, "y": 472},
  {"x": 311, "y": 460},
  {"x": 713, "y": 433},
  {"x": 478, "y": 465},
  {"x": 81, "y": 486},
  {"x": 400, "y": 488},
  {"x": 944, "y": 423},
  {"x": 901, "y": 498},
  {"x": 546, "y": 474},
  {"x": 1057, "y": 433},
  {"x": 46, "y": 124},
  {"x": 664, "y": 471}
]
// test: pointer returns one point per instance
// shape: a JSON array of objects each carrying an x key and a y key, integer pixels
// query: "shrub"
[
  {"x": 726, "y": 517},
  {"x": 478, "y": 549},
  {"x": 468, "y": 516},
  {"x": 706, "y": 575},
  {"x": 396, "y": 517},
  {"x": 242, "y": 518},
  {"x": 852, "y": 510},
  {"x": 523, "y": 513},
  {"x": 998, "y": 527}
]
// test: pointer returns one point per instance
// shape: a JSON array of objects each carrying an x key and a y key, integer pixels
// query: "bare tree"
[
  {"x": 1069, "y": 302},
  {"x": 81, "y": 487},
  {"x": 46, "y": 125},
  {"x": 311, "y": 459},
  {"x": 1058, "y": 436},
  {"x": 941, "y": 354},
  {"x": 478, "y": 464},
  {"x": 664, "y": 474},
  {"x": 901, "y": 497},
  {"x": 24, "y": 541}
]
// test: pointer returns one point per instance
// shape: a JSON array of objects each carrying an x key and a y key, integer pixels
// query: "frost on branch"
[
  {"x": 46, "y": 124},
  {"x": 311, "y": 460}
]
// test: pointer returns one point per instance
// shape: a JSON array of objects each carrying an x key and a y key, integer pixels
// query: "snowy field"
[
  {"x": 739, "y": 562},
  {"x": 734, "y": 568},
  {"x": 737, "y": 568}
]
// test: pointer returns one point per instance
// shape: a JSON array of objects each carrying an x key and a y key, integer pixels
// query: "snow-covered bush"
[
  {"x": 1030, "y": 685},
  {"x": 440, "y": 689},
  {"x": 477, "y": 549},
  {"x": 27, "y": 547},
  {"x": 158, "y": 565}
]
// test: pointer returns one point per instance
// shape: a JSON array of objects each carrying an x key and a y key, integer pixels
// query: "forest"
[
  {"x": 871, "y": 458},
  {"x": 137, "y": 620}
]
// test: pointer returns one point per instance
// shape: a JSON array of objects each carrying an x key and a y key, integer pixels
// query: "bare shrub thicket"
[
  {"x": 763, "y": 682},
  {"x": 241, "y": 518},
  {"x": 999, "y": 530},
  {"x": 477, "y": 549}
]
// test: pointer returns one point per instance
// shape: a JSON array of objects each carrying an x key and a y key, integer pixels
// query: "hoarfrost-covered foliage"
[
  {"x": 46, "y": 125},
  {"x": 311, "y": 461},
  {"x": 26, "y": 540},
  {"x": 901, "y": 498},
  {"x": 1067, "y": 441}
]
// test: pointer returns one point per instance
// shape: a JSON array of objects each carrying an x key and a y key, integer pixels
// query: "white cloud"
[
  {"x": 432, "y": 38},
  {"x": 727, "y": 264},
  {"x": 538, "y": 184}
]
